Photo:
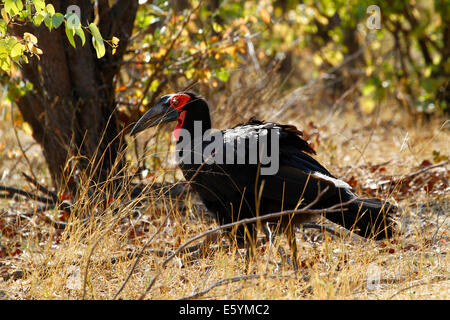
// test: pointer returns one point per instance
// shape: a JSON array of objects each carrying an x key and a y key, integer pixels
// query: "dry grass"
[{"x": 93, "y": 258}]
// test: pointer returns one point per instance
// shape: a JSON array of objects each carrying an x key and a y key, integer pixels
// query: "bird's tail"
[{"x": 367, "y": 218}]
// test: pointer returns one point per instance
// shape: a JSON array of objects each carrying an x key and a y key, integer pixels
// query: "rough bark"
[{"x": 71, "y": 106}]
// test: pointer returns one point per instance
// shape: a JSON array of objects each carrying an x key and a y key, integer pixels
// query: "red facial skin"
[{"x": 178, "y": 102}]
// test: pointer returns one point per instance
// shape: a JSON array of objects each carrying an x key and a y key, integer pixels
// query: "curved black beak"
[{"x": 159, "y": 113}]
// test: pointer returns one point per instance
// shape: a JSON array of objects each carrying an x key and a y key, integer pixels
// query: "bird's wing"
[
  {"x": 299, "y": 175},
  {"x": 289, "y": 134},
  {"x": 294, "y": 150},
  {"x": 292, "y": 184}
]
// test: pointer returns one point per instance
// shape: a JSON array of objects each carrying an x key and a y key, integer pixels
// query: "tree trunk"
[{"x": 71, "y": 106}]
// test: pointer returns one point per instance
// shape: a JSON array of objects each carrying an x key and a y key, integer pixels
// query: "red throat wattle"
[
  {"x": 178, "y": 102},
  {"x": 181, "y": 116}
]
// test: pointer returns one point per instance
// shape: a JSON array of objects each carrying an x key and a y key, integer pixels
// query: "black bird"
[{"x": 233, "y": 191}]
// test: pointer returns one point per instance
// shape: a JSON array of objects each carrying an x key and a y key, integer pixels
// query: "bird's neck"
[
  {"x": 189, "y": 133},
  {"x": 192, "y": 126}
]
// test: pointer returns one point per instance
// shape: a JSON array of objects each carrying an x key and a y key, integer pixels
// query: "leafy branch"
[{"x": 37, "y": 12}]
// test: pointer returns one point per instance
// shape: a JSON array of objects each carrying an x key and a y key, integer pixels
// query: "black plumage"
[{"x": 236, "y": 191}]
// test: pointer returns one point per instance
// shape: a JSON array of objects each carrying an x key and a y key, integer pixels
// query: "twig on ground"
[
  {"x": 421, "y": 283},
  {"x": 10, "y": 192},
  {"x": 225, "y": 281},
  {"x": 133, "y": 254},
  {"x": 416, "y": 173},
  {"x": 40, "y": 187},
  {"x": 305, "y": 210},
  {"x": 411, "y": 175}
]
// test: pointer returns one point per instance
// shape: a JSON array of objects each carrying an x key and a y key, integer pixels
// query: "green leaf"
[
  {"x": 5, "y": 61},
  {"x": 57, "y": 20},
  {"x": 39, "y": 5},
  {"x": 50, "y": 9},
  {"x": 70, "y": 32},
  {"x": 97, "y": 40},
  {"x": 99, "y": 47},
  {"x": 80, "y": 32},
  {"x": 13, "y": 7},
  {"x": 189, "y": 73},
  {"x": 154, "y": 85},
  {"x": 37, "y": 19},
  {"x": 19, "y": 4},
  {"x": 48, "y": 21},
  {"x": 217, "y": 27},
  {"x": 73, "y": 27},
  {"x": 223, "y": 75},
  {"x": 24, "y": 14},
  {"x": 95, "y": 32},
  {"x": 16, "y": 50},
  {"x": 2, "y": 27},
  {"x": 368, "y": 89},
  {"x": 28, "y": 8},
  {"x": 73, "y": 20},
  {"x": 5, "y": 16}
]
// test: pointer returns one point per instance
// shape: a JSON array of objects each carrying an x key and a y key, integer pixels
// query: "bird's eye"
[{"x": 175, "y": 101}]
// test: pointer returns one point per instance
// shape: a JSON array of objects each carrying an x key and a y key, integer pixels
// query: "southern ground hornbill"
[{"x": 234, "y": 187}]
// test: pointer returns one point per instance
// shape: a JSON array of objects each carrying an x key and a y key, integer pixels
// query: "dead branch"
[
  {"x": 416, "y": 173},
  {"x": 9, "y": 193},
  {"x": 41, "y": 188},
  {"x": 411, "y": 175}
]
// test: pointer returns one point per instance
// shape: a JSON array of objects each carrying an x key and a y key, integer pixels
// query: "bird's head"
[{"x": 173, "y": 107}]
